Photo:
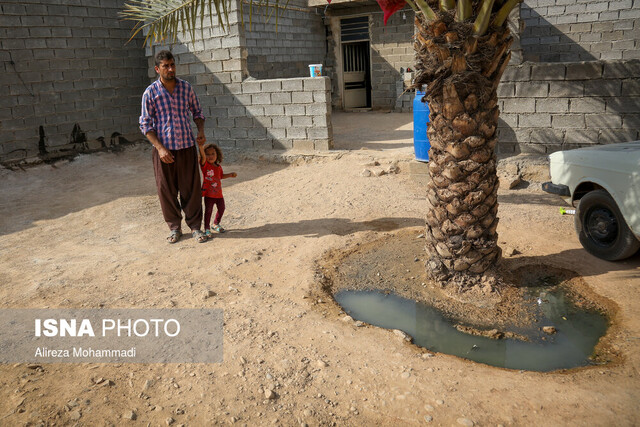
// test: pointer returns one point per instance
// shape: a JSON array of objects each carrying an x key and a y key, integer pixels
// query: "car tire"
[{"x": 602, "y": 230}]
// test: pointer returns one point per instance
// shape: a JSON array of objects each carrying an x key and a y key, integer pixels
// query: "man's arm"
[
  {"x": 198, "y": 117},
  {"x": 165, "y": 155},
  {"x": 148, "y": 130},
  {"x": 200, "y": 139}
]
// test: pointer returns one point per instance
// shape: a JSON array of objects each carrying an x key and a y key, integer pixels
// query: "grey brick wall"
[
  {"x": 584, "y": 30},
  {"x": 391, "y": 49},
  {"x": 66, "y": 63},
  {"x": 286, "y": 48},
  {"x": 548, "y": 107},
  {"x": 244, "y": 112}
]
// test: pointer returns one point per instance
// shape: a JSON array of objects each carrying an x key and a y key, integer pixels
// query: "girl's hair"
[{"x": 219, "y": 155}]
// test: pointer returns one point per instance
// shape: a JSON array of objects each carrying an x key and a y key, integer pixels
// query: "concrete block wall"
[
  {"x": 66, "y": 63},
  {"x": 283, "y": 48},
  {"x": 549, "y": 107},
  {"x": 244, "y": 112},
  {"x": 391, "y": 50},
  {"x": 584, "y": 30}
]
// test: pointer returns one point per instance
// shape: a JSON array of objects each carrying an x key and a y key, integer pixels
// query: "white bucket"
[{"x": 315, "y": 70}]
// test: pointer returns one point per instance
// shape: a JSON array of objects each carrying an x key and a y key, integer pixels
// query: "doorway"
[{"x": 356, "y": 69}]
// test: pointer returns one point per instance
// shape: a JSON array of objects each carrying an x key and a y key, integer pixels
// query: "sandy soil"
[{"x": 89, "y": 233}]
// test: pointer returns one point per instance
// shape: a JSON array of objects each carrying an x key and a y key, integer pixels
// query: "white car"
[{"x": 605, "y": 182}]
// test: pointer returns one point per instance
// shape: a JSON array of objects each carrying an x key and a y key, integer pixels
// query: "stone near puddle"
[
  {"x": 549, "y": 330},
  {"x": 359, "y": 323},
  {"x": 465, "y": 422},
  {"x": 402, "y": 335},
  {"x": 427, "y": 355},
  {"x": 347, "y": 319}
]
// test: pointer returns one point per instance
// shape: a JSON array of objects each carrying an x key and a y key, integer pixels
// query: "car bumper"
[{"x": 559, "y": 189}]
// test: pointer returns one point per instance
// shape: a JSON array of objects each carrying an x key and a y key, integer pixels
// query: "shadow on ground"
[{"x": 323, "y": 227}]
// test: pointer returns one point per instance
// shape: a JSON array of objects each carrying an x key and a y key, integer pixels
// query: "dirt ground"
[{"x": 89, "y": 234}]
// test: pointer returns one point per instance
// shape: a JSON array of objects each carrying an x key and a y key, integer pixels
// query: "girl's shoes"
[
  {"x": 208, "y": 234},
  {"x": 217, "y": 228}
]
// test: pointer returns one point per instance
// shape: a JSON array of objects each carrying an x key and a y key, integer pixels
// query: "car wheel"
[{"x": 601, "y": 228}]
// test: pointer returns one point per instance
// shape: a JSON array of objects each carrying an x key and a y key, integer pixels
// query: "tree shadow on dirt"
[
  {"x": 515, "y": 198},
  {"x": 323, "y": 227},
  {"x": 580, "y": 259}
]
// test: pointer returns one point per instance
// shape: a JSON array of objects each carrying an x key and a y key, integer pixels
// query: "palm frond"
[{"x": 168, "y": 18}]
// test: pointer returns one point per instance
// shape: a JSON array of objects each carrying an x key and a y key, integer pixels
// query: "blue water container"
[{"x": 420, "y": 119}]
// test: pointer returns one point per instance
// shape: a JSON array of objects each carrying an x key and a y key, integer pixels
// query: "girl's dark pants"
[
  {"x": 179, "y": 178},
  {"x": 208, "y": 210}
]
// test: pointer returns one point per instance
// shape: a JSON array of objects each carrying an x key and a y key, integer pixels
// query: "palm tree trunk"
[{"x": 462, "y": 72}]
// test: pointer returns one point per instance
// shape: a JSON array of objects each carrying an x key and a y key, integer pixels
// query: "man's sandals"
[
  {"x": 174, "y": 236},
  {"x": 199, "y": 236}
]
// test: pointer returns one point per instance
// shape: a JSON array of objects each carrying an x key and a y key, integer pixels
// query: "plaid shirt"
[{"x": 168, "y": 114}]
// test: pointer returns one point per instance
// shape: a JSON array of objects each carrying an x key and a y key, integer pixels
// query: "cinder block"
[
  {"x": 568, "y": 121},
  {"x": 587, "y": 105},
  {"x": 519, "y": 105},
  {"x": 318, "y": 133},
  {"x": 261, "y": 99},
  {"x": 548, "y": 72},
  {"x": 547, "y": 136},
  {"x": 323, "y": 144},
  {"x": 517, "y": 73},
  {"x": 277, "y": 133},
  {"x": 305, "y": 97},
  {"x": 295, "y": 110},
  {"x": 603, "y": 88},
  {"x": 316, "y": 83},
  {"x": 566, "y": 89},
  {"x": 303, "y": 145},
  {"x": 581, "y": 136},
  {"x": 538, "y": 120},
  {"x": 612, "y": 136},
  {"x": 532, "y": 89},
  {"x": 603, "y": 121},
  {"x": 584, "y": 71},
  {"x": 281, "y": 98},
  {"x": 275, "y": 110},
  {"x": 552, "y": 105},
  {"x": 271, "y": 86},
  {"x": 292, "y": 84},
  {"x": 282, "y": 144},
  {"x": 296, "y": 133},
  {"x": 316, "y": 109},
  {"x": 302, "y": 121}
]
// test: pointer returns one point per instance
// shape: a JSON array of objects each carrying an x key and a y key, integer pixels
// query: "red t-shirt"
[{"x": 211, "y": 176}]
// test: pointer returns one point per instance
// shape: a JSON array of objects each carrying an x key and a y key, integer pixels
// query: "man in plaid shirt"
[{"x": 166, "y": 106}]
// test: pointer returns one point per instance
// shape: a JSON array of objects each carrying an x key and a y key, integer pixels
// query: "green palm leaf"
[{"x": 162, "y": 18}]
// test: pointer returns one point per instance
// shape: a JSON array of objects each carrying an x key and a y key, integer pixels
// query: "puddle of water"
[{"x": 578, "y": 331}]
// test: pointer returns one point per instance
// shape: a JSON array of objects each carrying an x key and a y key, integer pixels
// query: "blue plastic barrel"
[{"x": 420, "y": 119}]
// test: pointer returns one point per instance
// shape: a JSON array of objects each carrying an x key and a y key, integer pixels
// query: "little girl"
[{"x": 210, "y": 159}]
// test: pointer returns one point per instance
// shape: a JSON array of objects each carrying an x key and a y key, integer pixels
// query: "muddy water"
[{"x": 577, "y": 331}]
